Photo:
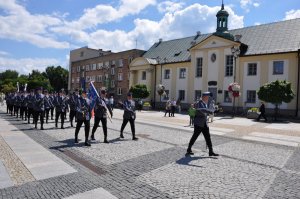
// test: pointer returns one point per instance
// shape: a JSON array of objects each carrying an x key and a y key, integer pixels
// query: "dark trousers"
[
  {"x": 52, "y": 111},
  {"x": 173, "y": 111},
  {"x": 11, "y": 107},
  {"x": 72, "y": 116},
  {"x": 7, "y": 108},
  {"x": 168, "y": 111},
  {"x": 104, "y": 126},
  {"x": 192, "y": 120},
  {"x": 86, "y": 129},
  {"x": 131, "y": 121},
  {"x": 39, "y": 114},
  {"x": 197, "y": 132},
  {"x": 16, "y": 110},
  {"x": 262, "y": 115},
  {"x": 23, "y": 111},
  {"x": 30, "y": 112},
  {"x": 62, "y": 118},
  {"x": 47, "y": 114}
]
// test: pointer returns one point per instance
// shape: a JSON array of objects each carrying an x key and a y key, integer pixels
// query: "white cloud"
[
  {"x": 106, "y": 13},
  {"x": 20, "y": 25},
  {"x": 3, "y": 53},
  {"x": 26, "y": 65},
  {"x": 169, "y": 6},
  {"x": 246, "y": 4},
  {"x": 257, "y": 23},
  {"x": 292, "y": 14}
]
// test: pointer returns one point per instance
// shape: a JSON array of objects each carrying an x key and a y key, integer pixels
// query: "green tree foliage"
[
  {"x": 37, "y": 79},
  {"x": 58, "y": 77},
  {"x": 276, "y": 92},
  {"x": 7, "y": 88},
  {"x": 9, "y": 74},
  {"x": 140, "y": 91}
]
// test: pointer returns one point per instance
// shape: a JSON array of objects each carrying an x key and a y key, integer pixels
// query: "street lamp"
[{"x": 235, "y": 52}]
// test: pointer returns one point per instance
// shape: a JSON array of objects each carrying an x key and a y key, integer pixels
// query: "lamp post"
[{"x": 235, "y": 52}]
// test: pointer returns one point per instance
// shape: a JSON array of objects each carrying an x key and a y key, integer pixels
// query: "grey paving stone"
[{"x": 5, "y": 180}]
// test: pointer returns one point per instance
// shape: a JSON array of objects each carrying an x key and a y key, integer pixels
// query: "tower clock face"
[{"x": 213, "y": 57}]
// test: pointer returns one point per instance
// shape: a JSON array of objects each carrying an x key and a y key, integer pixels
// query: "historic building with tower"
[{"x": 250, "y": 56}]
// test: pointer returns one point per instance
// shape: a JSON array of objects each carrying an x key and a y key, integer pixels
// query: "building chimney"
[
  {"x": 237, "y": 38},
  {"x": 198, "y": 33},
  {"x": 160, "y": 40}
]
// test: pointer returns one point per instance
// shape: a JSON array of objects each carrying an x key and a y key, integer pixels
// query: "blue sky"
[{"x": 35, "y": 34}]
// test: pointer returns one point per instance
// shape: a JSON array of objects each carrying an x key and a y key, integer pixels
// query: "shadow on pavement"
[{"x": 187, "y": 159}]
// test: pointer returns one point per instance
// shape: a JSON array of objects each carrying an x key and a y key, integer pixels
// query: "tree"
[
  {"x": 140, "y": 91},
  {"x": 8, "y": 88},
  {"x": 276, "y": 93},
  {"x": 57, "y": 76},
  {"x": 37, "y": 79},
  {"x": 9, "y": 74}
]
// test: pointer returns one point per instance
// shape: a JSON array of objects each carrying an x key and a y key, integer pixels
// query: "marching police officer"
[
  {"x": 48, "y": 104},
  {"x": 23, "y": 108},
  {"x": 52, "y": 98},
  {"x": 39, "y": 108},
  {"x": 129, "y": 115},
  {"x": 83, "y": 114},
  {"x": 200, "y": 124},
  {"x": 17, "y": 103},
  {"x": 30, "y": 105},
  {"x": 60, "y": 108},
  {"x": 72, "y": 103},
  {"x": 101, "y": 107}
]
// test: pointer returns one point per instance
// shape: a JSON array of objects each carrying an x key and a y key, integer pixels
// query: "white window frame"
[
  {"x": 250, "y": 69},
  {"x": 120, "y": 76},
  {"x": 278, "y": 61},
  {"x": 119, "y": 91},
  {"x": 167, "y": 75},
  {"x": 121, "y": 64},
  {"x": 112, "y": 71},
  {"x": 182, "y": 75}
]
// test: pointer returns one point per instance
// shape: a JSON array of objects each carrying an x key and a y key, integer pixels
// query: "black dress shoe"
[
  {"x": 121, "y": 135},
  {"x": 189, "y": 153},
  {"x": 93, "y": 138},
  {"x": 62, "y": 127},
  {"x": 56, "y": 125},
  {"x": 213, "y": 154},
  {"x": 42, "y": 128},
  {"x": 76, "y": 140},
  {"x": 135, "y": 138},
  {"x": 105, "y": 141},
  {"x": 87, "y": 144}
]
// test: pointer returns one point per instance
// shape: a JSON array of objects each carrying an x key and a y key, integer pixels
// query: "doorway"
[{"x": 214, "y": 93}]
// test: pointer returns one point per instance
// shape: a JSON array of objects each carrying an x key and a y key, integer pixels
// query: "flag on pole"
[{"x": 93, "y": 95}]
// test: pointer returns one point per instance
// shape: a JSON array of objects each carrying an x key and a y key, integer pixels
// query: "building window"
[
  {"x": 100, "y": 65},
  {"x": 77, "y": 79},
  {"x": 78, "y": 69},
  {"x": 94, "y": 66},
  {"x": 278, "y": 67},
  {"x": 112, "y": 83},
  {"x": 166, "y": 96},
  {"x": 113, "y": 62},
  {"x": 182, "y": 73},
  {"x": 197, "y": 95},
  {"x": 199, "y": 67},
  {"x": 227, "y": 98},
  {"x": 72, "y": 80},
  {"x": 167, "y": 74},
  {"x": 119, "y": 91},
  {"x": 112, "y": 71},
  {"x": 106, "y": 64},
  {"x": 252, "y": 69},
  {"x": 229, "y": 65},
  {"x": 120, "y": 76},
  {"x": 144, "y": 75},
  {"x": 251, "y": 96},
  {"x": 87, "y": 67},
  {"x": 81, "y": 54},
  {"x": 181, "y": 95},
  {"x": 130, "y": 59},
  {"x": 120, "y": 62}
]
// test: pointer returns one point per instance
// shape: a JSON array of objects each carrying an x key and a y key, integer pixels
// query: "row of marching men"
[{"x": 40, "y": 105}]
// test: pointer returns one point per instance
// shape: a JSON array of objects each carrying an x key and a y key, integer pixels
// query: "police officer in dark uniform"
[
  {"x": 72, "y": 104},
  {"x": 60, "y": 108},
  {"x": 200, "y": 124},
  {"x": 101, "y": 107},
  {"x": 129, "y": 115},
  {"x": 39, "y": 108},
  {"x": 17, "y": 103},
  {"x": 83, "y": 114},
  {"x": 23, "y": 108},
  {"x": 30, "y": 105},
  {"x": 48, "y": 104},
  {"x": 52, "y": 98}
]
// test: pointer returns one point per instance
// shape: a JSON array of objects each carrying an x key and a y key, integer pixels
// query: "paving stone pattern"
[{"x": 155, "y": 166}]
